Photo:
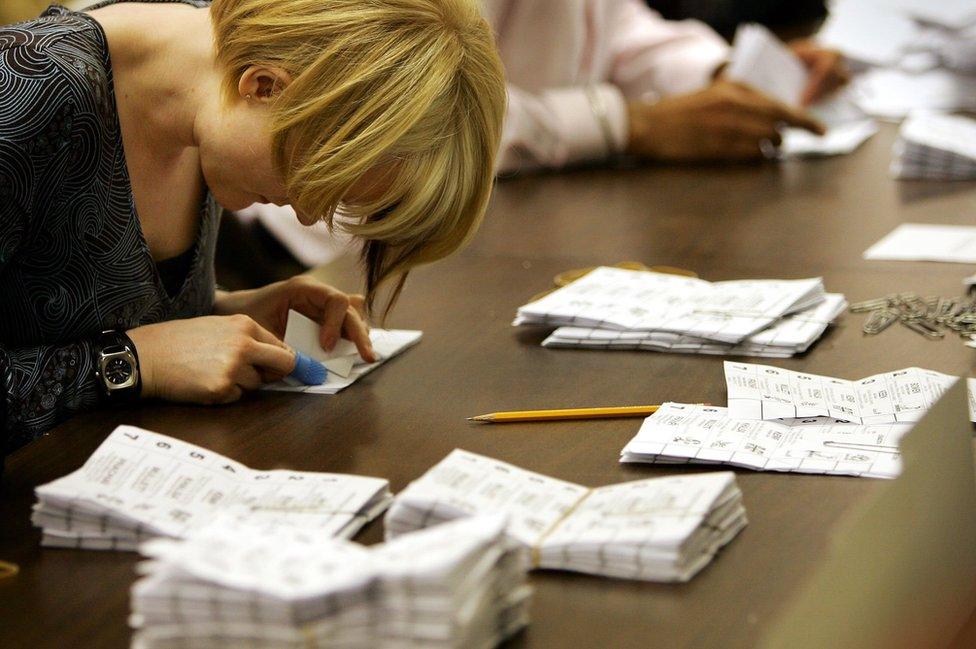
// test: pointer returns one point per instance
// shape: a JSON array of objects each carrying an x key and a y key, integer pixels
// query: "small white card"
[{"x": 923, "y": 242}]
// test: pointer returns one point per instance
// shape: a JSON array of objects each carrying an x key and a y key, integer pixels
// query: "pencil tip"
[{"x": 478, "y": 418}]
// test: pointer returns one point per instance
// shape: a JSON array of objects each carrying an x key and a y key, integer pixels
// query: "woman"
[{"x": 124, "y": 129}]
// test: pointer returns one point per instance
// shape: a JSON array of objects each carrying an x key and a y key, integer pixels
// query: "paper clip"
[
  {"x": 924, "y": 327},
  {"x": 878, "y": 321}
]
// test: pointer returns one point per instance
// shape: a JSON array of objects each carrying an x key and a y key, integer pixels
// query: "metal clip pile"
[{"x": 928, "y": 316}]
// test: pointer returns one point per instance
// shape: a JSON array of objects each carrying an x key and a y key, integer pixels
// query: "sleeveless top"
[{"x": 73, "y": 258}]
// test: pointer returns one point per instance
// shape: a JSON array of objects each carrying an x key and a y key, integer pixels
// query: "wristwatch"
[{"x": 117, "y": 366}]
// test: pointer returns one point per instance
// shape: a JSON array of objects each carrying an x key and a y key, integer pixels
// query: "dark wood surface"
[{"x": 790, "y": 220}]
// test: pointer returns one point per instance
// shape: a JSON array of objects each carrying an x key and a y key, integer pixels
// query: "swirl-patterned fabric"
[{"x": 73, "y": 259}]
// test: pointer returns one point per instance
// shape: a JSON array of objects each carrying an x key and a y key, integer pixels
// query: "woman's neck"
[{"x": 164, "y": 70}]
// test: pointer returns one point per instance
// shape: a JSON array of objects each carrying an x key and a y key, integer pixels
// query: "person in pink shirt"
[{"x": 593, "y": 79}]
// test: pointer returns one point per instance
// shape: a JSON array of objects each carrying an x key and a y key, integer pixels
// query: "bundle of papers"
[
  {"x": 772, "y": 393},
  {"x": 458, "y": 585},
  {"x": 936, "y": 147},
  {"x": 140, "y": 485},
  {"x": 663, "y": 529},
  {"x": 762, "y": 61},
  {"x": 628, "y": 300},
  {"x": 682, "y": 433},
  {"x": 912, "y": 54},
  {"x": 343, "y": 363},
  {"x": 926, "y": 242},
  {"x": 784, "y": 338}
]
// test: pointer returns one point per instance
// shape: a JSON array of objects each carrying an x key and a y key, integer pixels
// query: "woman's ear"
[{"x": 262, "y": 83}]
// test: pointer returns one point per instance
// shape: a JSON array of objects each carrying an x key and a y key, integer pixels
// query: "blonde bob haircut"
[{"x": 415, "y": 86}]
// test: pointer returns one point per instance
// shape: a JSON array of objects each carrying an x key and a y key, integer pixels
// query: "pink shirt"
[{"x": 568, "y": 61}]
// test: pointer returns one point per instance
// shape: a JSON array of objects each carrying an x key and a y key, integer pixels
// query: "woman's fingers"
[
  {"x": 271, "y": 359},
  {"x": 354, "y": 328}
]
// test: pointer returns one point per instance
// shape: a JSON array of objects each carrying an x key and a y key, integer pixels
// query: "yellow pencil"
[{"x": 566, "y": 413}]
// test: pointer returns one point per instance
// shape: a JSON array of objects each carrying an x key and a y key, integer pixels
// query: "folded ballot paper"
[
  {"x": 343, "y": 363},
  {"x": 762, "y": 61},
  {"x": 784, "y": 338},
  {"x": 772, "y": 393},
  {"x": 642, "y": 301},
  {"x": 459, "y": 585},
  {"x": 662, "y": 529},
  {"x": 139, "y": 485},
  {"x": 681, "y": 433},
  {"x": 935, "y": 146}
]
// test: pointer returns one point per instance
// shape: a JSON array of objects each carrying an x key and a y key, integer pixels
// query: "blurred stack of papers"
[
  {"x": 140, "y": 485},
  {"x": 455, "y": 586},
  {"x": 936, "y": 147},
  {"x": 760, "y": 60},
  {"x": 911, "y": 54},
  {"x": 663, "y": 529},
  {"x": 613, "y": 308}
]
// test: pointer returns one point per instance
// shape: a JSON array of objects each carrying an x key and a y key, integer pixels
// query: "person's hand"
[
  {"x": 725, "y": 121},
  {"x": 827, "y": 70},
  {"x": 340, "y": 315},
  {"x": 211, "y": 359}
]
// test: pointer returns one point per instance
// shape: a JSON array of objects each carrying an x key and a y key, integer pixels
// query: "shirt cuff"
[{"x": 592, "y": 121}]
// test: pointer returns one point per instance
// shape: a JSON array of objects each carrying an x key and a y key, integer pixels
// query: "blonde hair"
[{"x": 417, "y": 83}]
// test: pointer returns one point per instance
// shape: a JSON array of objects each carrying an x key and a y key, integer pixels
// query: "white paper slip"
[
  {"x": 868, "y": 32},
  {"x": 788, "y": 336},
  {"x": 614, "y": 298},
  {"x": 139, "y": 485},
  {"x": 773, "y": 393},
  {"x": 684, "y": 433},
  {"x": 893, "y": 94},
  {"x": 387, "y": 343},
  {"x": 954, "y": 14},
  {"x": 462, "y": 584},
  {"x": 663, "y": 529},
  {"x": 925, "y": 242},
  {"x": 762, "y": 61},
  {"x": 839, "y": 139}
]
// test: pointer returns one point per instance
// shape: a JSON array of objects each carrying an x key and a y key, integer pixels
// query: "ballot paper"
[
  {"x": 893, "y": 94},
  {"x": 459, "y": 585},
  {"x": 869, "y": 31},
  {"x": 462, "y": 584},
  {"x": 662, "y": 529},
  {"x": 773, "y": 393},
  {"x": 628, "y": 300},
  {"x": 682, "y": 433},
  {"x": 947, "y": 13},
  {"x": 925, "y": 242},
  {"x": 139, "y": 485},
  {"x": 762, "y": 61},
  {"x": 786, "y": 337},
  {"x": 935, "y": 146},
  {"x": 343, "y": 363}
]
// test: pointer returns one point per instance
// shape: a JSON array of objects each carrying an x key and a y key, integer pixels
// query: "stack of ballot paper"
[
  {"x": 780, "y": 420},
  {"x": 786, "y": 337},
  {"x": 663, "y": 529},
  {"x": 935, "y": 146},
  {"x": 656, "y": 311},
  {"x": 456, "y": 586},
  {"x": 762, "y": 61},
  {"x": 343, "y": 363},
  {"x": 910, "y": 54},
  {"x": 140, "y": 485}
]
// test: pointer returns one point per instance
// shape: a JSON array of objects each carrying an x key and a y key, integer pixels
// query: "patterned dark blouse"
[{"x": 73, "y": 259}]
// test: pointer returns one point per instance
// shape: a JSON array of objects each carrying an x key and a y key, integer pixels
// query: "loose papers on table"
[
  {"x": 784, "y": 338},
  {"x": 343, "y": 363},
  {"x": 139, "y": 485},
  {"x": 627, "y": 300},
  {"x": 773, "y": 393},
  {"x": 926, "y": 242},
  {"x": 455, "y": 586},
  {"x": 936, "y": 147},
  {"x": 662, "y": 529},
  {"x": 684, "y": 433},
  {"x": 762, "y": 61}
]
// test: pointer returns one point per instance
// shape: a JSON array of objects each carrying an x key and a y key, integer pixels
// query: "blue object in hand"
[{"x": 308, "y": 370}]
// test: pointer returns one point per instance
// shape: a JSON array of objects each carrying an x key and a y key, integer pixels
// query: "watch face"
[{"x": 118, "y": 371}]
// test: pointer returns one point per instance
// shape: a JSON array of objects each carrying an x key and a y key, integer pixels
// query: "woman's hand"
[
  {"x": 725, "y": 121},
  {"x": 827, "y": 69},
  {"x": 211, "y": 359},
  {"x": 340, "y": 315}
]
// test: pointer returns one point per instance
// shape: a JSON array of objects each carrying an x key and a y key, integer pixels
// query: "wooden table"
[{"x": 789, "y": 220}]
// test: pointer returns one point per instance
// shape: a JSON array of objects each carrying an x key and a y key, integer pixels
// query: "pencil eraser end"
[{"x": 308, "y": 370}]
